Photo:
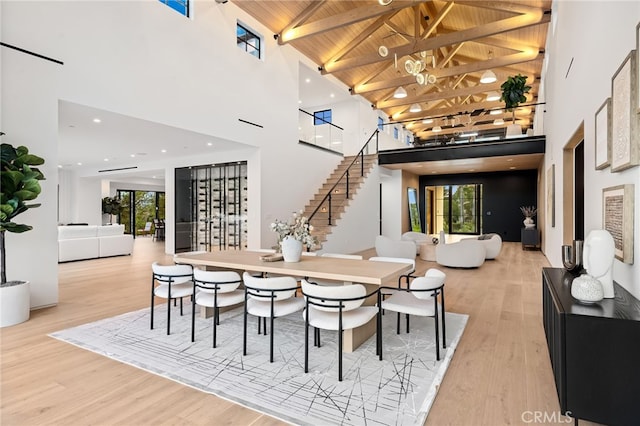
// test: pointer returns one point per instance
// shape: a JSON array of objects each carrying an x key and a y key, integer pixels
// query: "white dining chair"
[
  {"x": 336, "y": 308},
  {"x": 214, "y": 289},
  {"x": 171, "y": 282},
  {"x": 421, "y": 299},
  {"x": 269, "y": 298}
]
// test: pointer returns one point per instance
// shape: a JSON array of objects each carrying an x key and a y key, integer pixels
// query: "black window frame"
[
  {"x": 321, "y": 117},
  {"x": 244, "y": 42},
  {"x": 172, "y": 4}
]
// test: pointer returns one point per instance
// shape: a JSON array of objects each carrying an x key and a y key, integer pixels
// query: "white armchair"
[
  {"x": 468, "y": 253},
  {"x": 388, "y": 247},
  {"x": 417, "y": 237},
  {"x": 492, "y": 244}
]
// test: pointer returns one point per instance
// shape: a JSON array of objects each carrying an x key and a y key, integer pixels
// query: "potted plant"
[
  {"x": 111, "y": 206},
  {"x": 513, "y": 94},
  {"x": 19, "y": 185},
  {"x": 529, "y": 212},
  {"x": 293, "y": 236}
]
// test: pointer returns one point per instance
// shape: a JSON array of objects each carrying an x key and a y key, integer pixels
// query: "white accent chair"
[
  {"x": 468, "y": 254},
  {"x": 421, "y": 298},
  {"x": 388, "y": 247},
  {"x": 269, "y": 298},
  {"x": 417, "y": 237},
  {"x": 335, "y": 308},
  {"x": 492, "y": 244},
  {"x": 214, "y": 289},
  {"x": 173, "y": 282}
]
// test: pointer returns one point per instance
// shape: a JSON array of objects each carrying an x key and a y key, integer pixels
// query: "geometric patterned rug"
[{"x": 396, "y": 391}]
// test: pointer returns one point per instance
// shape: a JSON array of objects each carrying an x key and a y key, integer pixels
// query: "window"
[
  {"x": 248, "y": 41},
  {"x": 181, "y": 6},
  {"x": 322, "y": 117},
  {"x": 396, "y": 133},
  {"x": 380, "y": 123},
  {"x": 408, "y": 140},
  {"x": 460, "y": 207}
]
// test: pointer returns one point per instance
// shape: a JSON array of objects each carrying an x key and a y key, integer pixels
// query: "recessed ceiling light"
[
  {"x": 79, "y": 164},
  {"x": 307, "y": 80},
  {"x": 163, "y": 150},
  {"x": 59, "y": 166},
  {"x": 472, "y": 170},
  {"x": 97, "y": 120},
  {"x": 509, "y": 159},
  {"x": 106, "y": 159},
  {"x": 332, "y": 95},
  {"x": 153, "y": 177},
  {"x": 433, "y": 172},
  {"x": 209, "y": 143},
  {"x": 132, "y": 155},
  {"x": 512, "y": 167}
]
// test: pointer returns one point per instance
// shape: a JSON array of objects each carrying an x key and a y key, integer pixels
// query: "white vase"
[
  {"x": 291, "y": 249},
  {"x": 15, "y": 303},
  {"x": 598, "y": 254},
  {"x": 529, "y": 222}
]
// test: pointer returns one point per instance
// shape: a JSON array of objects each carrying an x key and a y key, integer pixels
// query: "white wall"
[
  {"x": 356, "y": 230},
  {"x": 597, "y": 35},
  {"x": 29, "y": 117},
  {"x": 391, "y": 202}
]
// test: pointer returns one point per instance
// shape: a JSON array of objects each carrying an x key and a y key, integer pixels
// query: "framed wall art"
[
  {"x": 551, "y": 195},
  {"x": 617, "y": 218},
  {"x": 603, "y": 135},
  {"x": 625, "y": 131}
]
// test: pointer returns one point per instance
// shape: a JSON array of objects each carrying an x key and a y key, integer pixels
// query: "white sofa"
[
  {"x": 468, "y": 253},
  {"x": 79, "y": 242},
  {"x": 492, "y": 244}
]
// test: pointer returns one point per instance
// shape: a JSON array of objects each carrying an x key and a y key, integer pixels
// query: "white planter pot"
[
  {"x": 291, "y": 249},
  {"x": 513, "y": 130},
  {"x": 15, "y": 303},
  {"x": 529, "y": 223}
]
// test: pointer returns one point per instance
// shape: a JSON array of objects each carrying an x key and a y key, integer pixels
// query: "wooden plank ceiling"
[{"x": 369, "y": 47}]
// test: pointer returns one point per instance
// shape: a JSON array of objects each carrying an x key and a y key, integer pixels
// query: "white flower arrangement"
[
  {"x": 299, "y": 228},
  {"x": 528, "y": 211}
]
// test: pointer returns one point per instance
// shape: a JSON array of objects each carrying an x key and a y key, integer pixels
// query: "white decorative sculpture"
[
  {"x": 442, "y": 240},
  {"x": 587, "y": 289},
  {"x": 598, "y": 254}
]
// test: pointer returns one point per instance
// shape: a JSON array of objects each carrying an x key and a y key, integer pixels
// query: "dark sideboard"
[{"x": 594, "y": 350}]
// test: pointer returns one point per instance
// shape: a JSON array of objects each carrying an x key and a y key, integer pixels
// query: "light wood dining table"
[{"x": 318, "y": 267}]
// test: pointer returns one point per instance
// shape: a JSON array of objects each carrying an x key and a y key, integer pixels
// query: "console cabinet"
[{"x": 594, "y": 350}]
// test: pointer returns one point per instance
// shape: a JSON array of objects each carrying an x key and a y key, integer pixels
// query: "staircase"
[{"x": 333, "y": 207}]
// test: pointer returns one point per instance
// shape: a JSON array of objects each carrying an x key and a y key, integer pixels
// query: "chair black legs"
[{"x": 444, "y": 331}]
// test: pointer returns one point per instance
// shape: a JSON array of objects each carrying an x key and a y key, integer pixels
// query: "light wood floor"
[{"x": 501, "y": 368}]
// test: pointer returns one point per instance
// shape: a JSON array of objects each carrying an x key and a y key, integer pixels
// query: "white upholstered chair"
[
  {"x": 269, "y": 298},
  {"x": 463, "y": 254},
  {"x": 417, "y": 237},
  {"x": 214, "y": 289},
  {"x": 421, "y": 299},
  {"x": 170, "y": 282},
  {"x": 336, "y": 308}
]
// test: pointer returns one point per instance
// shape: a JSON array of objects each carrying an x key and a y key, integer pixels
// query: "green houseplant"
[
  {"x": 513, "y": 94},
  {"x": 111, "y": 206},
  {"x": 19, "y": 186}
]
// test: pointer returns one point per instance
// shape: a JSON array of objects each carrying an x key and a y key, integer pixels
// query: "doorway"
[
  {"x": 140, "y": 207},
  {"x": 573, "y": 188}
]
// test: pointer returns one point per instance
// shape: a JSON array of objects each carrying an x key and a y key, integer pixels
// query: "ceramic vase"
[
  {"x": 291, "y": 249},
  {"x": 587, "y": 289},
  {"x": 597, "y": 258},
  {"x": 529, "y": 222}
]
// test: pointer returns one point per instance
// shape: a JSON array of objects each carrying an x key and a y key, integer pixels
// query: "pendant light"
[
  {"x": 415, "y": 108},
  {"x": 493, "y": 96},
  {"x": 436, "y": 129},
  {"x": 400, "y": 93},
  {"x": 498, "y": 122},
  {"x": 488, "y": 77}
]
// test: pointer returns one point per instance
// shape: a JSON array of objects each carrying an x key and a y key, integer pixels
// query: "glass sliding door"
[
  {"x": 127, "y": 211},
  {"x": 456, "y": 209},
  {"x": 140, "y": 207}
]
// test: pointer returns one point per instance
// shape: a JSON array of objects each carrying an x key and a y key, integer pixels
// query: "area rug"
[{"x": 396, "y": 391}]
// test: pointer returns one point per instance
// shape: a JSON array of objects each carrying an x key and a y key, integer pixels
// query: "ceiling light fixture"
[
  {"x": 400, "y": 93},
  {"x": 436, "y": 129},
  {"x": 383, "y": 51},
  {"x": 415, "y": 108},
  {"x": 384, "y": 2},
  {"x": 498, "y": 122},
  {"x": 495, "y": 112},
  {"x": 493, "y": 96},
  {"x": 97, "y": 120},
  {"x": 427, "y": 121},
  {"x": 488, "y": 77}
]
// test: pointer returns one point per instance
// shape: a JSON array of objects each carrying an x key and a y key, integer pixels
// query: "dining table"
[{"x": 347, "y": 271}]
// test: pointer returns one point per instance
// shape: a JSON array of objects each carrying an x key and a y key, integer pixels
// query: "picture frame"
[
  {"x": 551, "y": 195},
  {"x": 617, "y": 219},
  {"x": 625, "y": 128},
  {"x": 638, "y": 64},
  {"x": 603, "y": 135}
]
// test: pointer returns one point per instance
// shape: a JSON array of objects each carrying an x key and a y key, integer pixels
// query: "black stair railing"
[{"x": 345, "y": 176}]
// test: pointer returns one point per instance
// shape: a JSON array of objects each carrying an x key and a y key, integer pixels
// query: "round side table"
[{"x": 428, "y": 251}]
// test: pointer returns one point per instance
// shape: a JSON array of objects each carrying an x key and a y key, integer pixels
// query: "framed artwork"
[
  {"x": 603, "y": 135},
  {"x": 625, "y": 129},
  {"x": 638, "y": 64},
  {"x": 617, "y": 218},
  {"x": 551, "y": 195}
]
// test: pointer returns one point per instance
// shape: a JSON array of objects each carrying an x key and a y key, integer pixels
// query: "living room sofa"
[
  {"x": 468, "y": 253},
  {"x": 92, "y": 241},
  {"x": 492, "y": 244}
]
